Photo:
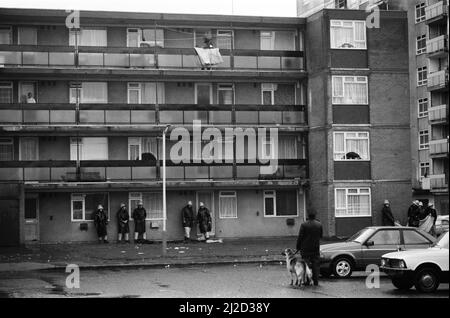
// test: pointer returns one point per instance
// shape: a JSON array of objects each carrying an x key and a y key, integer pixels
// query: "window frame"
[
  {"x": 218, "y": 36},
  {"x": 211, "y": 98},
  {"x": 424, "y": 48},
  {"x": 8, "y": 85},
  {"x": 72, "y": 195},
  {"x": 27, "y": 27},
  {"x": 344, "y": 81},
  {"x": 9, "y": 28},
  {"x": 345, "y": 145},
  {"x": 422, "y": 101},
  {"x": 369, "y": 194},
  {"x": 268, "y": 87},
  {"x": 138, "y": 196},
  {"x": 221, "y": 87},
  {"x": 422, "y": 133},
  {"x": 79, "y": 147},
  {"x": 424, "y": 165},
  {"x": 223, "y": 195},
  {"x": 354, "y": 34},
  {"x": 8, "y": 141},
  {"x": 138, "y": 88},
  {"x": 420, "y": 71},
  {"x": 419, "y": 7},
  {"x": 273, "y": 195},
  {"x": 36, "y": 139},
  {"x": 78, "y": 33}
]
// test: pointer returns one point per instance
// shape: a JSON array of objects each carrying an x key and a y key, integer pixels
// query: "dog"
[{"x": 299, "y": 270}]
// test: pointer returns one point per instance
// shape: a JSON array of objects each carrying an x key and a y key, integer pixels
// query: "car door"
[
  {"x": 381, "y": 242},
  {"x": 414, "y": 240}
]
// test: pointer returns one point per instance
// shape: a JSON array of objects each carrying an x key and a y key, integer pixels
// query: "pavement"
[{"x": 33, "y": 257}]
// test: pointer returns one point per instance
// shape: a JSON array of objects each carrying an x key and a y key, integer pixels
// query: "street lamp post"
[{"x": 164, "y": 238}]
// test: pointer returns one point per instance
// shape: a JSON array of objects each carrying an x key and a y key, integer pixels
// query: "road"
[{"x": 228, "y": 281}]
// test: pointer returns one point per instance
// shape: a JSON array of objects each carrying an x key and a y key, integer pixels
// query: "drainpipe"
[{"x": 164, "y": 233}]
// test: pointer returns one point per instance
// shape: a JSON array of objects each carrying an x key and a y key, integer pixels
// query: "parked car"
[
  {"x": 424, "y": 269},
  {"x": 441, "y": 225},
  {"x": 367, "y": 246}
]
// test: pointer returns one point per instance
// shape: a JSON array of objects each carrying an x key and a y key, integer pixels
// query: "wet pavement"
[{"x": 228, "y": 281}]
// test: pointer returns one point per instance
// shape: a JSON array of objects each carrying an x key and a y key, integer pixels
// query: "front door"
[
  {"x": 31, "y": 219},
  {"x": 207, "y": 197},
  {"x": 384, "y": 241}
]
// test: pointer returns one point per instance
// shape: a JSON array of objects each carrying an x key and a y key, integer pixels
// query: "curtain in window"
[
  {"x": 225, "y": 97},
  {"x": 6, "y": 95},
  {"x": 338, "y": 88},
  {"x": 228, "y": 207},
  {"x": 29, "y": 149},
  {"x": 153, "y": 205},
  {"x": 134, "y": 152},
  {"x": 93, "y": 37},
  {"x": 339, "y": 146},
  {"x": 149, "y": 145},
  {"x": 358, "y": 205},
  {"x": 355, "y": 93},
  {"x": 90, "y": 148},
  {"x": 153, "y": 37},
  {"x": 360, "y": 34},
  {"x": 94, "y": 92},
  {"x": 285, "y": 40},
  {"x": 151, "y": 90},
  {"x": 287, "y": 148},
  {"x": 6, "y": 152},
  {"x": 341, "y": 37},
  {"x": 359, "y": 146}
]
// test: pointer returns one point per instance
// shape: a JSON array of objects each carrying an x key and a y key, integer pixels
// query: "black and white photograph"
[{"x": 239, "y": 151}]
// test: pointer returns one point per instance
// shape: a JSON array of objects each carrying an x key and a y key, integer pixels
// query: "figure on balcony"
[
  {"x": 204, "y": 221},
  {"x": 100, "y": 223},
  {"x": 30, "y": 99},
  {"x": 123, "y": 224},
  {"x": 139, "y": 216},
  {"x": 187, "y": 215}
]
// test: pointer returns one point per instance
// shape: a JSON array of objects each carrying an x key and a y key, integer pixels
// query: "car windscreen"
[
  {"x": 443, "y": 241},
  {"x": 361, "y": 236}
]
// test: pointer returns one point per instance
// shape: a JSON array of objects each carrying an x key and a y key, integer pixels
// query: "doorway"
[
  {"x": 207, "y": 197},
  {"x": 32, "y": 218}
]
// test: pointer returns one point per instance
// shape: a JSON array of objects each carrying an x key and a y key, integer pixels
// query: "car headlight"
[{"x": 402, "y": 264}]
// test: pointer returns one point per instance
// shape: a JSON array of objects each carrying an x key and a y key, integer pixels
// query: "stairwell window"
[
  {"x": 350, "y": 90},
  {"x": 423, "y": 107},
  {"x": 227, "y": 205},
  {"x": 424, "y": 169},
  {"x": 352, "y": 202},
  {"x": 424, "y": 139},
  {"x": 421, "y": 44},
  {"x": 348, "y": 34},
  {"x": 420, "y": 12},
  {"x": 351, "y": 146}
]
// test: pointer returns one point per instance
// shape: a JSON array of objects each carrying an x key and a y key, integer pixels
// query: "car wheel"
[
  {"x": 342, "y": 267},
  {"x": 426, "y": 280},
  {"x": 402, "y": 283}
]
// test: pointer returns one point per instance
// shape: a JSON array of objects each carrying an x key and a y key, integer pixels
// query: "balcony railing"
[
  {"x": 139, "y": 114},
  {"x": 438, "y": 80},
  {"x": 438, "y": 45},
  {"x": 439, "y": 182},
  {"x": 438, "y": 114},
  {"x": 438, "y": 147},
  {"x": 437, "y": 10},
  {"x": 122, "y": 170},
  {"x": 145, "y": 58}
]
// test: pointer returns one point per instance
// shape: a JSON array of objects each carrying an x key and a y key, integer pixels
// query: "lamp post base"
[{"x": 164, "y": 243}]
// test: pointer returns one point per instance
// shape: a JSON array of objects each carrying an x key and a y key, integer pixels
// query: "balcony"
[
  {"x": 91, "y": 59},
  {"x": 439, "y": 182},
  {"x": 150, "y": 114},
  {"x": 438, "y": 81},
  {"x": 436, "y": 13},
  {"x": 438, "y": 148},
  {"x": 438, "y": 114},
  {"x": 138, "y": 171},
  {"x": 437, "y": 47}
]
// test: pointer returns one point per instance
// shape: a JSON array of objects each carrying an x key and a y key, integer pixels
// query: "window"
[
  {"x": 289, "y": 148},
  {"x": 421, "y": 44},
  {"x": 422, "y": 76},
  {"x": 350, "y": 90},
  {"x": 351, "y": 146},
  {"x": 277, "y": 40},
  {"x": 83, "y": 206},
  {"x": 6, "y": 149},
  {"x": 280, "y": 203},
  {"x": 88, "y": 37},
  {"x": 227, "y": 205},
  {"x": 423, "y": 139},
  {"x": 352, "y": 202},
  {"x": 89, "y": 148},
  {"x": 413, "y": 238},
  {"x": 152, "y": 202},
  {"x": 27, "y": 36},
  {"x": 225, "y": 94},
  {"x": 386, "y": 237},
  {"x": 152, "y": 37},
  {"x": 29, "y": 148},
  {"x": 6, "y": 92},
  {"x": 268, "y": 93},
  {"x": 346, "y": 34},
  {"x": 146, "y": 93},
  {"x": 420, "y": 12},
  {"x": 203, "y": 94},
  {"x": 224, "y": 39},
  {"x": 89, "y": 92},
  {"x": 423, "y": 107},
  {"x": 142, "y": 148},
  {"x": 424, "y": 169},
  {"x": 5, "y": 35}
]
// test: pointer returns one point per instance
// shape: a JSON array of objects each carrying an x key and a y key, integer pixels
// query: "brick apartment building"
[{"x": 336, "y": 91}]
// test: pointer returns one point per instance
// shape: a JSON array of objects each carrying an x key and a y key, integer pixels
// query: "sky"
[{"x": 282, "y": 8}]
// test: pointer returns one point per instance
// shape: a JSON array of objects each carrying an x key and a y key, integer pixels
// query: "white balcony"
[
  {"x": 437, "y": 46},
  {"x": 438, "y": 182},
  {"x": 436, "y": 11},
  {"x": 438, "y": 147},
  {"x": 438, "y": 114},
  {"x": 437, "y": 80}
]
